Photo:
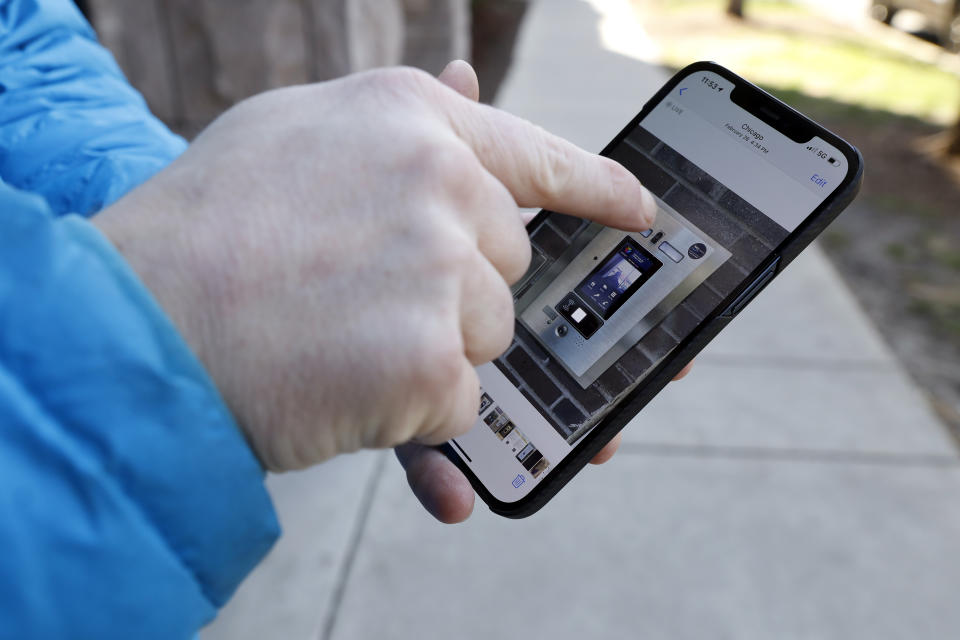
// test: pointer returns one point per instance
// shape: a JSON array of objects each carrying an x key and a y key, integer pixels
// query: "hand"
[
  {"x": 338, "y": 255},
  {"x": 439, "y": 485}
]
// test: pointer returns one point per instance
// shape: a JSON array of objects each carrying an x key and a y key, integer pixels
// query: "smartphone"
[{"x": 606, "y": 318}]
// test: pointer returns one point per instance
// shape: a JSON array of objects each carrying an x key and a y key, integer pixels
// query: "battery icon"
[{"x": 833, "y": 161}]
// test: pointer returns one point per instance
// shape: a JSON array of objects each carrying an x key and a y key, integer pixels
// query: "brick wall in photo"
[{"x": 734, "y": 223}]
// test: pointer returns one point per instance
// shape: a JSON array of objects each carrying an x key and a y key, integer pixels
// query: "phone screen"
[{"x": 600, "y": 308}]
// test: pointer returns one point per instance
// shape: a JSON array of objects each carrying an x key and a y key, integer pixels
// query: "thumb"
[{"x": 460, "y": 76}]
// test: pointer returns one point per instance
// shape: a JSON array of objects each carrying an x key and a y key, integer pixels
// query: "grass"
[
  {"x": 946, "y": 316},
  {"x": 950, "y": 259},
  {"x": 943, "y": 252},
  {"x": 905, "y": 204},
  {"x": 897, "y": 251},
  {"x": 788, "y": 48},
  {"x": 836, "y": 239}
]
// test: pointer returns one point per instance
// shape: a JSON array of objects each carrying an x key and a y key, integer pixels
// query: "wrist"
[{"x": 158, "y": 251}]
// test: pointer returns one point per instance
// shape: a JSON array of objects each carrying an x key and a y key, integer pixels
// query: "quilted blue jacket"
[{"x": 130, "y": 505}]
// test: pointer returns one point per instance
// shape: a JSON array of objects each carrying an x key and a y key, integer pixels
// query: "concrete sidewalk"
[{"x": 795, "y": 486}]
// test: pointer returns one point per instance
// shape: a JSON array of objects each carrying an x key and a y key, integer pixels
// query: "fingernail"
[{"x": 456, "y": 62}]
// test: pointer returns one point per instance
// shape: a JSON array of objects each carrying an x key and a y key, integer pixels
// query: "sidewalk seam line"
[
  {"x": 793, "y": 363},
  {"x": 791, "y": 455},
  {"x": 346, "y": 568}
]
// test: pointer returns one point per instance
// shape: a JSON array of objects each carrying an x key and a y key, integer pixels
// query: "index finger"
[{"x": 543, "y": 170}]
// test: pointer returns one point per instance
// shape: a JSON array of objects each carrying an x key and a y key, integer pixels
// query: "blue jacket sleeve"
[
  {"x": 130, "y": 505},
  {"x": 71, "y": 128}
]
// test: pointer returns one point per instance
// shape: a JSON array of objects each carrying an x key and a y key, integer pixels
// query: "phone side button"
[{"x": 755, "y": 287}]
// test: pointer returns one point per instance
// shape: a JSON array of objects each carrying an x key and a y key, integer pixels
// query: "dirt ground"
[{"x": 898, "y": 248}]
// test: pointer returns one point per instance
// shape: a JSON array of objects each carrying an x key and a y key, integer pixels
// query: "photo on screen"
[{"x": 599, "y": 308}]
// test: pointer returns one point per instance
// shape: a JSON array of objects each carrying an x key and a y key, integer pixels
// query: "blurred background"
[
  {"x": 841, "y": 521},
  {"x": 883, "y": 75}
]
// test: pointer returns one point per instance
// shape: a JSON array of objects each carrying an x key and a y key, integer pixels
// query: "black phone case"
[{"x": 629, "y": 407}]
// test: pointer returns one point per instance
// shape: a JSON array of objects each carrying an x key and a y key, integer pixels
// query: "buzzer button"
[
  {"x": 583, "y": 320},
  {"x": 671, "y": 252}
]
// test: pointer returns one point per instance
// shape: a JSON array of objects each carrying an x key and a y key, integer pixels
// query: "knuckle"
[
  {"x": 488, "y": 327},
  {"x": 463, "y": 405},
  {"x": 388, "y": 438},
  {"x": 412, "y": 76},
  {"x": 400, "y": 82},
  {"x": 446, "y": 247},
  {"x": 431, "y": 377},
  {"x": 451, "y": 162},
  {"x": 443, "y": 161},
  {"x": 399, "y": 77},
  {"x": 503, "y": 329},
  {"x": 555, "y": 169},
  {"x": 441, "y": 365},
  {"x": 465, "y": 184},
  {"x": 432, "y": 165},
  {"x": 518, "y": 261}
]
